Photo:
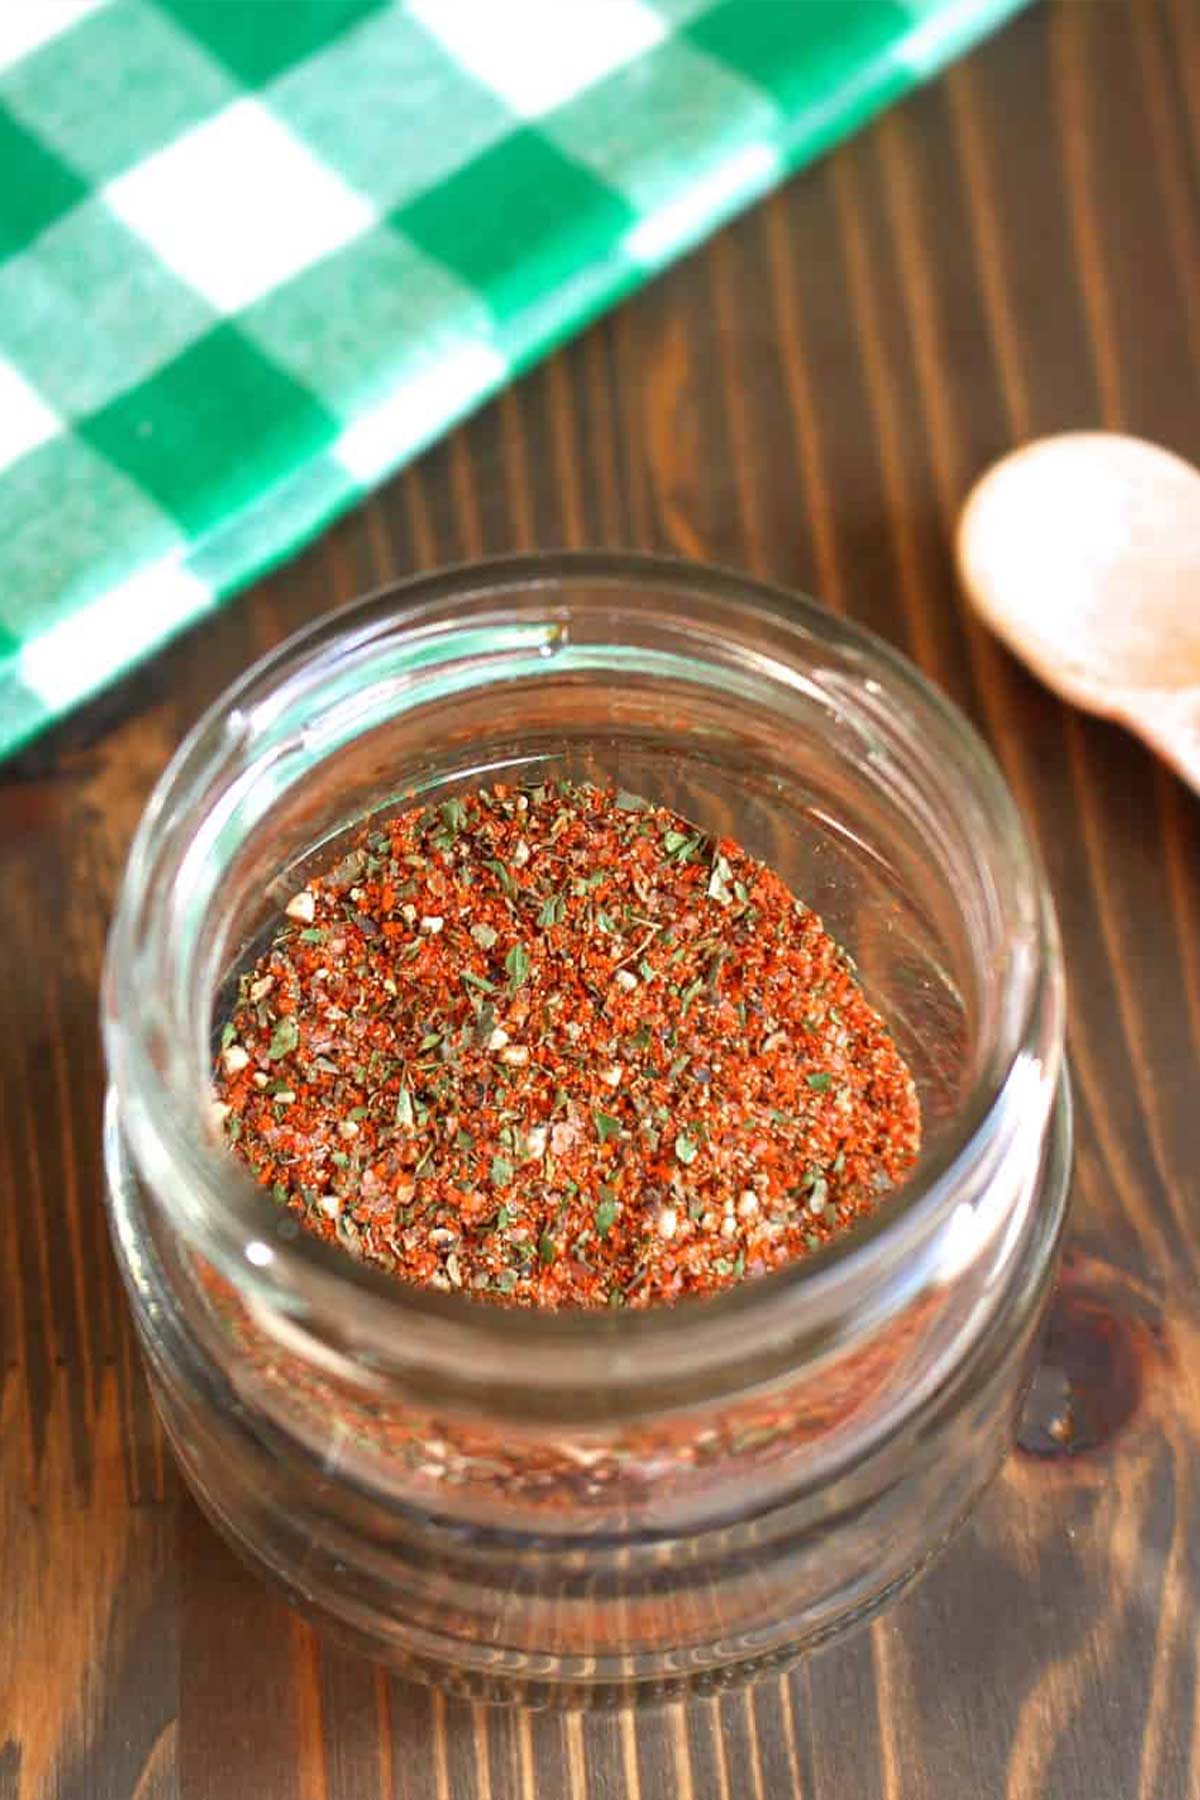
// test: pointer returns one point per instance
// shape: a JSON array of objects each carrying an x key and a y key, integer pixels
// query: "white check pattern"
[{"x": 255, "y": 255}]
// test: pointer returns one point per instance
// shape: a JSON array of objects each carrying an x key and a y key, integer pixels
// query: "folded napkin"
[{"x": 255, "y": 254}]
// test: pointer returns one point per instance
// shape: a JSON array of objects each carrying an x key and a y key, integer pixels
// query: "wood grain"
[{"x": 1014, "y": 250}]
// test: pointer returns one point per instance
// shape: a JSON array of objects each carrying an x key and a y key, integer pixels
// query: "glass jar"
[{"x": 597, "y": 1506}]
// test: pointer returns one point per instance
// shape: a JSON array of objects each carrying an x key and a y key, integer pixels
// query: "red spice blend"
[{"x": 554, "y": 1046}]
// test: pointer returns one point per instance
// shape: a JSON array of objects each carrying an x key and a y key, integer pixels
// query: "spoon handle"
[{"x": 1169, "y": 721}]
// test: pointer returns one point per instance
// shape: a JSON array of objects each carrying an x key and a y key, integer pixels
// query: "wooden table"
[{"x": 1014, "y": 251}]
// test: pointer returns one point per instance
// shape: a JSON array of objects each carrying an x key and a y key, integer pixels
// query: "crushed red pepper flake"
[{"x": 555, "y": 1046}]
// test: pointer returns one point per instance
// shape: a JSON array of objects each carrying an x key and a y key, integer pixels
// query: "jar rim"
[{"x": 236, "y": 1224}]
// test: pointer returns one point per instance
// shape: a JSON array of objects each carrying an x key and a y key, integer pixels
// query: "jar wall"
[
  {"x": 565, "y": 1508},
  {"x": 582, "y": 1566}
]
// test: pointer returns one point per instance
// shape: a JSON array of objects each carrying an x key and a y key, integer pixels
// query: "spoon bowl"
[{"x": 1082, "y": 552}]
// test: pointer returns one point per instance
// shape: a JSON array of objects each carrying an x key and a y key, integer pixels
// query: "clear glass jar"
[{"x": 557, "y": 1506}]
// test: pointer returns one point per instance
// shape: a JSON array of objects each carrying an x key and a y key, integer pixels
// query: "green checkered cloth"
[{"x": 255, "y": 254}]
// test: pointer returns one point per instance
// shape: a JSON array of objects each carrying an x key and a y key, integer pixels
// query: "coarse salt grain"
[{"x": 302, "y": 907}]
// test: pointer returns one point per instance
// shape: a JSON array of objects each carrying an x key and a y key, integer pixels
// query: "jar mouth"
[{"x": 457, "y": 631}]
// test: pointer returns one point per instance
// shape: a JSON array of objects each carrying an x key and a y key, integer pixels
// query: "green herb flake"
[
  {"x": 718, "y": 882},
  {"x": 686, "y": 1148},
  {"x": 483, "y": 935},
  {"x": 606, "y": 1126},
  {"x": 405, "y": 1117},
  {"x": 546, "y": 1248},
  {"x": 502, "y": 1171},
  {"x": 819, "y": 1082},
  {"x": 689, "y": 994},
  {"x": 478, "y": 981},
  {"x": 517, "y": 965},
  {"x": 552, "y": 911},
  {"x": 681, "y": 846},
  {"x": 507, "y": 884},
  {"x": 284, "y": 1038},
  {"x": 605, "y": 1216},
  {"x": 312, "y": 934}
]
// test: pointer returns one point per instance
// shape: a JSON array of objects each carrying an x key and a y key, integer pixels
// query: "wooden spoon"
[{"x": 1083, "y": 553}]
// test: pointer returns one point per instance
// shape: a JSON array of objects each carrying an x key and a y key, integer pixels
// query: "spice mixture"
[{"x": 554, "y": 1046}]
